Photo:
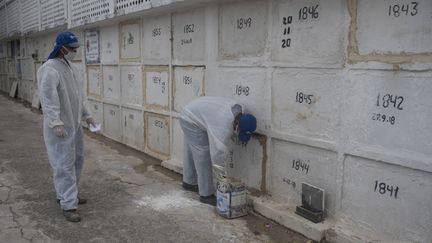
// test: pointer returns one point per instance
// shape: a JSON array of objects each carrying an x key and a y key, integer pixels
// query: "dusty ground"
[{"x": 131, "y": 198}]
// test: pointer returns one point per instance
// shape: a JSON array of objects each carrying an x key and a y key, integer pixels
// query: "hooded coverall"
[
  {"x": 207, "y": 124},
  {"x": 61, "y": 95}
]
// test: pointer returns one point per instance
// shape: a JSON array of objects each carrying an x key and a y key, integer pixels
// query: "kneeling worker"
[{"x": 208, "y": 123}]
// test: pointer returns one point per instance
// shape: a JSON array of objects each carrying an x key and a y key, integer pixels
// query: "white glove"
[{"x": 60, "y": 131}]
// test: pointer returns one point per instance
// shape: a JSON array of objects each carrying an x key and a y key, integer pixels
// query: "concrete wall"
[{"x": 341, "y": 86}]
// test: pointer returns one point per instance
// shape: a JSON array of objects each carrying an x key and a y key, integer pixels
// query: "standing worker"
[
  {"x": 208, "y": 123},
  {"x": 61, "y": 96}
]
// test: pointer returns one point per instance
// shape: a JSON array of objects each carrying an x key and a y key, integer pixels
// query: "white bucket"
[{"x": 231, "y": 198}]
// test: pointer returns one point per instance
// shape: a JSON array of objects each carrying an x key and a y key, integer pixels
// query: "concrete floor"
[{"x": 130, "y": 197}]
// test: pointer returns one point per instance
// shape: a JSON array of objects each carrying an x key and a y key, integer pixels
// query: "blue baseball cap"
[
  {"x": 247, "y": 125},
  {"x": 64, "y": 39}
]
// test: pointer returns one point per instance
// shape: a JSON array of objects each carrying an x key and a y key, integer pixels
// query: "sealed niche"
[
  {"x": 156, "y": 40},
  {"x": 157, "y": 135},
  {"x": 242, "y": 29},
  {"x": 133, "y": 128},
  {"x": 131, "y": 85},
  {"x": 188, "y": 85},
  {"x": 311, "y": 104},
  {"x": 157, "y": 87},
  {"x": 294, "y": 164},
  {"x": 189, "y": 36},
  {"x": 94, "y": 84},
  {"x": 112, "y": 122},
  {"x": 130, "y": 41},
  {"x": 109, "y": 44},
  {"x": 390, "y": 110},
  {"x": 247, "y": 86},
  {"x": 311, "y": 33},
  {"x": 387, "y": 27},
  {"x": 111, "y": 83},
  {"x": 399, "y": 194}
]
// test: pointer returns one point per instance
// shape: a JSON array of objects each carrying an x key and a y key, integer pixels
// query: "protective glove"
[{"x": 60, "y": 131}]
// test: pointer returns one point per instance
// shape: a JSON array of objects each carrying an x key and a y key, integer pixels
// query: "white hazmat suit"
[
  {"x": 61, "y": 95},
  {"x": 207, "y": 124}
]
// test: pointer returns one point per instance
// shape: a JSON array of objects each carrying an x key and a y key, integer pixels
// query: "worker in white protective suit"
[
  {"x": 208, "y": 123},
  {"x": 61, "y": 95}
]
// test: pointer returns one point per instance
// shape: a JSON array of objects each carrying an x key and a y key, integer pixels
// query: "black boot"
[
  {"x": 189, "y": 187},
  {"x": 80, "y": 201},
  {"x": 72, "y": 215},
  {"x": 210, "y": 200}
]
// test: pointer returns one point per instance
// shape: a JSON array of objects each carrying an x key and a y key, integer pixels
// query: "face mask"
[{"x": 70, "y": 55}]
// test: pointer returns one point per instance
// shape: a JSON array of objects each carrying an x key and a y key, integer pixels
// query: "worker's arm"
[{"x": 48, "y": 84}]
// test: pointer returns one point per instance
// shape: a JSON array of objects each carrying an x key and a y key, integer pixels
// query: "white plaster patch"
[{"x": 170, "y": 201}]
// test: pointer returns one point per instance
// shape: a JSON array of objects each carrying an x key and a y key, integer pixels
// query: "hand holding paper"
[{"x": 95, "y": 127}]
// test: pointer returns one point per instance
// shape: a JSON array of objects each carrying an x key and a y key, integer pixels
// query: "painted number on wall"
[
  {"x": 384, "y": 118},
  {"x": 242, "y": 90},
  {"x": 158, "y": 80},
  {"x": 383, "y": 188},
  {"x": 187, "y": 29},
  {"x": 156, "y": 32},
  {"x": 243, "y": 23},
  {"x": 388, "y": 101},
  {"x": 187, "y": 80},
  {"x": 286, "y": 26},
  {"x": 159, "y": 124},
  {"x": 308, "y": 12},
  {"x": 300, "y": 165},
  {"x": 398, "y": 10},
  {"x": 305, "y": 98}
]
